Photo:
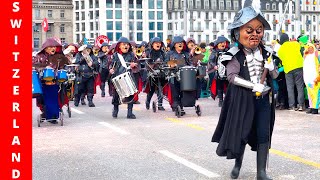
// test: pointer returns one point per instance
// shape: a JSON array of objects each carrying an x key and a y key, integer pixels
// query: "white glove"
[
  {"x": 269, "y": 66},
  {"x": 258, "y": 88}
]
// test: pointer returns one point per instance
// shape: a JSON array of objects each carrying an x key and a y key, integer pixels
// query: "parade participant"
[
  {"x": 178, "y": 52},
  {"x": 311, "y": 70},
  {"x": 49, "y": 48},
  {"x": 123, "y": 54},
  {"x": 70, "y": 51},
  {"x": 88, "y": 64},
  {"x": 104, "y": 66},
  {"x": 191, "y": 45},
  {"x": 157, "y": 56},
  {"x": 221, "y": 46},
  {"x": 246, "y": 115},
  {"x": 168, "y": 47}
]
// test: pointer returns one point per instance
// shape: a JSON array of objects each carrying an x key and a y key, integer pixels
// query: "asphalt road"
[{"x": 93, "y": 146}]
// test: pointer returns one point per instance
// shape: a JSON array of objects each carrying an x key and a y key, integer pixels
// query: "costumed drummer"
[
  {"x": 157, "y": 55},
  {"x": 123, "y": 60},
  {"x": 88, "y": 64},
  {"x": 50, "y": 92},
  {"x": 178, "y": 53},
  {"x": 247, "y": 116}
]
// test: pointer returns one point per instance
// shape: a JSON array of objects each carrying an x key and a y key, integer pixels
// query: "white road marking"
[
  {"x": 189, "y": 164},
  {"x": 76, "y": 111},
  {"x": 116, "y": 129}
]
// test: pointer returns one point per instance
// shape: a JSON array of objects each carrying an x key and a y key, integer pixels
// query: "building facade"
[
  {"x": 208, "y": 19},
  {"x": 60, "y": 21},
  {"x": 139, "y": 20}
]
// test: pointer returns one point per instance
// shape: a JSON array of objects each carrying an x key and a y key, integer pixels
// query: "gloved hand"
[
  {"x": 269, "y": 66},
  {"x": 258, "y": 88}
]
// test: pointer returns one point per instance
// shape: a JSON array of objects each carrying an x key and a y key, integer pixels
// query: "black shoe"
[
  {"x": 76, "y": 104},
  {"x": 309, "y": 111},
  {"x": 103, "y": 94},
  {"x": 131, "y": 116},
  {"x": 314, "y": 111},
  {"x": 238, "y": 163},
  {"x": 136, "y": 102},
  {"x": 83, "y": 102},
  {"x": 183, "y": 112},
  {"x": 262, "y": 156},
  {"x": 115, "y": 111},
  {"x": 147, "y": 105},
  {"x": 54, "y": 122},
  {"x": 161, "y": 108},
  {"x": 91, "y": 104},
  {"x": 220, "y": 103}
]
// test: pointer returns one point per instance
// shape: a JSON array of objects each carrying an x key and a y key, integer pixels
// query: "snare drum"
[
  {"x": 62, "y": 75},
  {"x": 188, "y": 78},
  {"x": 48, "y": 74},
  {"x": 124, "y": 85},
  {"x": 36, "y": 85}
]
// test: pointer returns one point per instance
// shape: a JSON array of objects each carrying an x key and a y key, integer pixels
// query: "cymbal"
[
  {"x": 176, "y": 62},
  {"x": 72, "y": 65},
  {"x": 197, "y": 57},
  {"x": 59, "y": 60}
]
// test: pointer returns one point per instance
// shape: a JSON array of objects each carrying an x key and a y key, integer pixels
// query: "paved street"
[{"x": 93, "y": 146}]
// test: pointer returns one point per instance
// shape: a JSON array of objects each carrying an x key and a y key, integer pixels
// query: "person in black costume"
[
  {"x": 247, "y": 116},
  {"x": 157, "y": 55},
  {"x": 178, "y": 52},
  {"x": 88, "y": 64},
  {"x": 123, "y": 49},
  {"x": 104, "y": 66}
]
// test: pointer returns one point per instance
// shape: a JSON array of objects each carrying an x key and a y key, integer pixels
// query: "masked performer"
[
  {"x": 179, "y": 53},
  {"x": 157, "y": 55},
  {"x": 123, "y": 55},
  {"x": 104, "y": 66},
  {"x": 247, "y": 117},
  {"x": 88, "y": 64}
]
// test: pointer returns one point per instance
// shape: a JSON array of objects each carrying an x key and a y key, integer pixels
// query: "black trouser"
[
  {"x": 86, "y": 85},
  {"x": 176, "y": 93},
  {"x": 156, "y": 83},
  {"x": 220, "y": 87},
  {"x": 104, "y": 74},
  {"x": 116, "y": 100},
  {"x": 262, "y": 116},
  {"x": 282, "y": 92}
]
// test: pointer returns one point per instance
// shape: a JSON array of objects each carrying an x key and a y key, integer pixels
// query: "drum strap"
[{"x": 123, "y": 63}]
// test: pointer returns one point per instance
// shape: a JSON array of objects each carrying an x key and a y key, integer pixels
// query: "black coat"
[{"x": 236, "y": 119}]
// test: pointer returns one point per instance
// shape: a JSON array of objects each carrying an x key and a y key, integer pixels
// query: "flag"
[{"x": 45, "y": 25}]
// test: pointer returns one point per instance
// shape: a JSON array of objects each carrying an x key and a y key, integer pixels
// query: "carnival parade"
[{"x": 249, "y": 82}]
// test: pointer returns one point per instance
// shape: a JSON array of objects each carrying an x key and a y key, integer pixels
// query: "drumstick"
[{"x": 263, "y": 77}]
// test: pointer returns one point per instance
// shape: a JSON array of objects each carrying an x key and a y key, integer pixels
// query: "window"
[
  {"x": 170, "y": 5},
  {"x": 206, "y": 4},
  {"x": 50, "y": 27},
  {"x": 199, "y": 25},
  {"x": 214, "y": 26},
  {"x": 235, "y": 5},
  {"x": 131, "y": 14},
  {"x": 314, "y": 18},
  {"x": 97, "y": 25},
  {"x": 292, "y": 27},
  {"x": 130, "y": 3},
  {"x": 118, "y": 3},
  {"x": 151, "y": 14},
  {"x": 267, "y": 17},
  {"x": 118, "y": 14},
  {"x": 274, "y": 6},
  {"x": 222, "y": 25},
  {"x": 151, "y": 25},
  {"x": 169, "y": 26},
  {"x": 91, "y": 26},
  {"x": 207, "y": 15},
  {"x": 159, "y": 25},
  {"x": 83, "y": 16},
  {"x": 159, "y": 15},
  {"x": 77, "y": 5},
  {"x": 229, "y": 15},
  {"x": 36, "y": 42},
  {"x": 36, "y": 27},
  {"x": 62, "y": 28},
  {"x": 169, "y": 16},
  {"x": 181, "y": 15},
  {"x": 77, "y": 26},
  {"x": 314, "y": 28},
  {"x": 37, "y": 13},
  {"x": 77, "y": 16},
  {"x": 97, "y": 3},
  {"x": 118, "y": 25},
  {"x": 63, "y": 40},
  {"x": 109, "y": 25},
  {"x": 160, "y": 35},
  {"x": 139, "y": 36},
  {"x": 82, "y": 5},
  {"x": 118, "y": 35},
  {"x": 214, "y": 4},
  {"x": 131, "y": 36},
  {"x": 199, "y": 38},
  {"x": 207, "y": 24},
  {"x": 191, "y": 26},
  {"x": 198, "y": 4},
  {"x": 139, "y": 14},
  {"x": 49, "y": 13},
  {"x": 83, "y": 27},
  {"x": 130, "y": 25},
  {"x": 151, "y": 35},
  {"x": 267, "y": 6},
  {"x": 90, "y": 3},
  {"x": 110, "y": 36},
  {"x": 151, "y": 4},
  {"x": 228, "y": 3},
  {"x": 139, "y": 5},
  {"x": 214, "y": 15},
  {"x": 190, "y": 4},
  {"x": 109, "y": 14},
  {"x": 91, "y": 14},
  {"x": 221, "y": 5},
  {"x": 159, "y": 4},
  {"x": 207, "y": 38},
  {"x": 199, "y": 14},
  {"x": 77, "y": 37},
  {"x": 139, "y": 25},
  {"x": 214, "y": 37},
  {"x": 97, "y": 14},
  {"x": 109, "y": 3},
  {"x": 287, "y": 28}
]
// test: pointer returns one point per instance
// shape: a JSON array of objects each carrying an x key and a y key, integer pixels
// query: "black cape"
[{"x": 236, "y": 121}]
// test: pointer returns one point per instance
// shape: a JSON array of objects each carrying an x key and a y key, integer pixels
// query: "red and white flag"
[{"x": 45, "y": 25}]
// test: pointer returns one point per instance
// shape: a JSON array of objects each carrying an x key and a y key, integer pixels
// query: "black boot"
[
  {"x": 314, "y": 111},
  {"x": 147, "y": 105},
  {"x": 149, "y": 96},
  {"x": 220, "y": 102},
  {"x": 90, "y": 100},
  {"x": 262, "y": 156},
  {"x": 130, "y": 115},
  {"x": 115, "y": 111},
  {"x": 76, "y": 100},
  {"x": 160, "y": 107},
  {"x": 220, "y": 96},
  {"x": 309, "y": 111},
  {"x": 103, "y": 91},
  {"x": 83, "y": 102},
  {"x": 238, "y": 163}
]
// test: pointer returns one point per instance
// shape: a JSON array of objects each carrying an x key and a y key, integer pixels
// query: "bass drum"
[
  {"x": 188, "y": 78},
  {"x": 36, "y": 84}
]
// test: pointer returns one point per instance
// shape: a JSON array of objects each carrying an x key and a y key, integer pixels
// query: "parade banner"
[{"x": 15, "y": 80}]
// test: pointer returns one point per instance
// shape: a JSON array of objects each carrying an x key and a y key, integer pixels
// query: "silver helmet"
[{"x": 246, "y": 14}]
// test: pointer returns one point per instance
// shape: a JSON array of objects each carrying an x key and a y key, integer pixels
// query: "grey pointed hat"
[{"x": 246, "y": 14}]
